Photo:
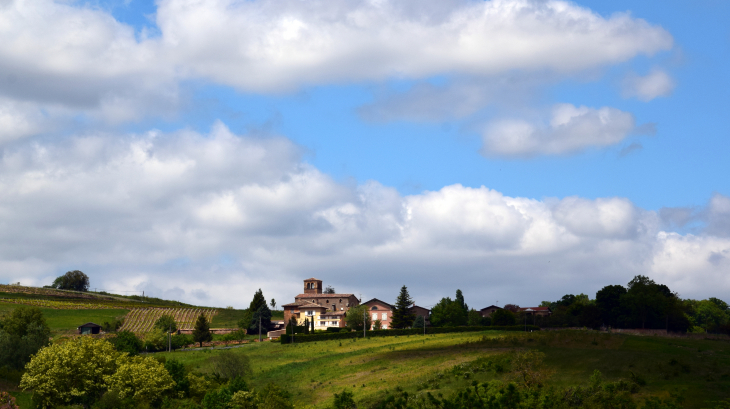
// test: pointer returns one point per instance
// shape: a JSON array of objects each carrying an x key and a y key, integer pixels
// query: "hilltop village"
[{"x": 327, "y": 309}]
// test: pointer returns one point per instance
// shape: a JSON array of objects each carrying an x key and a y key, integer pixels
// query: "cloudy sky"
[{"x": 516, "y": 149}]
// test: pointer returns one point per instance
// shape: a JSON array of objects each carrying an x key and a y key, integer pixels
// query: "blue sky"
[{"x": 602, "y": 124}]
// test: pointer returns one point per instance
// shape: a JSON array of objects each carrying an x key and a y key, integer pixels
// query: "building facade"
[
  {"x": 325, "y": 309},
  {"x": 488, "y": 311},
  {"x": 381, "y": 310}
]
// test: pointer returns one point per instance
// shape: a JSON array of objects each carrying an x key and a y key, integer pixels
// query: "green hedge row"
[{"x": 286, "y": 339}]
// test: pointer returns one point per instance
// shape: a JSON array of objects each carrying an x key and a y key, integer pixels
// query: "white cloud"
[
  {"x": 19, "y": 120},
  {"x": 173, "y": 214},
  {"x": 266, "y": 45},
  {"x": 655, "y": 84},
  {"x": 571, "y": 129}
]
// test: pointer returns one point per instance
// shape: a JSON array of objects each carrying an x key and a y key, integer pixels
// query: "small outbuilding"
[{"x": 89, "y": 328}]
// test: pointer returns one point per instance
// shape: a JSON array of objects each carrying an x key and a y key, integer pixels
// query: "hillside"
[
  {"x": 443, "y": 364},
  {"x": 66, "y": 310}
]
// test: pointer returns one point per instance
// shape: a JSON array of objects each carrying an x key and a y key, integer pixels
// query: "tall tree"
[
  {"x": 72, "y": 280},
  {"x": 201, "y": 333},
  {"x": 273, "y": 304},
  {"x": 460, "y": 300},
  {"x": 329, "y": 290},
  {"x": 265, "y": 314},
  {"x": 257, "y": 301},
  {"x": 608, "y": 301},
  {"x": 402, "y": 315},
  {"x": 355, "y": 317}
]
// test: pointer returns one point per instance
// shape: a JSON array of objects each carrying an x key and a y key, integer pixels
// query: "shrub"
[
  {"x": 126, "y": 341},
  {"x": 229, "y": 365},
  {"x": 143, "y": 379},
  {"x": 503, "y": 317}
]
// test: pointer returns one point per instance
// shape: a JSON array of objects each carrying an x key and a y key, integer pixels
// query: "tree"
[
  {"x": 419, "y": 322},
  {"x": 503, "y": 317},
  {"x": 590, "y": 317},
  {"x": 176, "y": 369},
  {"x": 265, "y": 314},
  {"x": 459, "y": 299},
  {"x": 72, "y": 280},
  {"x": 22, "y": 333},
  {"x": 475, "y": 318},
  {"x": 201, "y": 333},
  {"x": 74, "y": 372},
  {"x": 608, "y": 301},
  {"x": 257, "y": 301},
  {"x": 166, "y": 323},
  {"x": 126, "y": 341},
  {"x": 230, "y": 365},
  {"x": 355, "y": 316},
  {"x": 329, "y": 290},
  {"x": 402, "y": 315},
  {"x": 449, "y": 313},
  {"x": 273, "y": 304},
  {"x": 21, "y": 318},
  {"x": 143, "y": 379},
  {"x": 377, "y": 325},
  {"x": 344, "y": 400},
  {"x": 512, "y": 307}
]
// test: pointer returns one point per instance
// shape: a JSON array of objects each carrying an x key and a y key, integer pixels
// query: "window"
[
  {"x": 385, "y": 316},
  {"x": 385, "y": 326},
  {"x": 375, "y": 307},
  {"x": 310, "y": 313},
  {"x": 328, "y": 301},
  {"x": 375, "y": 316}
]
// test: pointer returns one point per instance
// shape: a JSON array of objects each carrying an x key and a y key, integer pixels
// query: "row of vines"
[
  {"x": 143, "y": 319},
  {"x": 63, "y": 305},
  {"x": 49, "y": 292}
]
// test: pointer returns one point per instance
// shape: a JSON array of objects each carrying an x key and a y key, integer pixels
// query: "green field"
[{"x": 313, "y": 372}]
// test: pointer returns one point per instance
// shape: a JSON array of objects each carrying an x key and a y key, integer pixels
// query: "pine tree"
[
  {"x": 265, "y": 314},
  {"x": 402, "y": 315},
  {"x": 257, "y": 302},
  {"x": 201, "y": 333}
]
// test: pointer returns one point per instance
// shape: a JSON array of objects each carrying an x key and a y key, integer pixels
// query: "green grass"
[
  {"x": 66, "y": 321},
  {"x": 229, "y": 318},
  {"x": 313, "y": 372}
]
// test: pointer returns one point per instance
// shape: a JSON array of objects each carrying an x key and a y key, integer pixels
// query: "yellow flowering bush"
[
  {"x": 143, "y": 379},
  {"x": 71, "y": 372}
]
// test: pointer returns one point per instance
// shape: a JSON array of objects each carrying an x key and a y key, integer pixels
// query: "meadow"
[{"x": 443, "y": 363}]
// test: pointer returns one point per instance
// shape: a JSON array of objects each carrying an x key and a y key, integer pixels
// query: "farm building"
[
  {"x": 488, "y": 311},
  {"x": 319, "y": 305},
  {"x": 381, "y": 310},
  {"x": 89, "y": 328}
]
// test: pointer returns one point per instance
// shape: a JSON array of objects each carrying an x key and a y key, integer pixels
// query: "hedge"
[{"x": 285, "y": 339}]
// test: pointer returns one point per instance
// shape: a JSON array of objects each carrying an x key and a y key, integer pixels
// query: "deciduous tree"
[{"x": 72, "y": 280}]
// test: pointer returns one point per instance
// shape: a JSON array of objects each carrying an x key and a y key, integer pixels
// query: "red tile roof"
[{"x": 536, "y": 308}]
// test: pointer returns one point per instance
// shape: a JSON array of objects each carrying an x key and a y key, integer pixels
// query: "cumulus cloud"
[
  {"x": 210, "y": 218},
  {"x": 571, "y": 129},
  {"x": 55, "y": 51},
  {"x": 655, "y": 84}
]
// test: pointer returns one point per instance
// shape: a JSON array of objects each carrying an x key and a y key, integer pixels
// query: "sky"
[{"x": 518, "y": 150}]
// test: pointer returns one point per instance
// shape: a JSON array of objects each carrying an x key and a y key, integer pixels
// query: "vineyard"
[
  {"x": 52, "y": 292},
  {"x": 65, "y": 305},
  {"x": 141, "y": 320}
]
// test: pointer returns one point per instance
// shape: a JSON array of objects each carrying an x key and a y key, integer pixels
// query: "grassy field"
[
  {"x": 226, "y": 318},
  {"x": 313, "y": 372}
]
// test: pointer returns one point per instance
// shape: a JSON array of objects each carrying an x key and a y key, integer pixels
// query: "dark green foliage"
[
  {"x": 608, "y": 300},
  {"x": 126, "y": 341},
  {"x": 178, "y": 374},
  {"x": 273, "y": 397},
  {"x": 329, "y": 290},
  {"x": 475, "y": 318},
  {"x": 450, "y": 313},
  {"x": 257, "y": 301},
  {"x": 18, "y": 322},
  {"x": 229, "y": 365},
  {"x": 201, "y": 333},
  {"x": 166, "y": 323},
  {"x": 590, "y": 317},
  {"x": 344, "y": 400},
  {"x": 112, "y": 400},
  {"x": 402, "y": 315},
  {"x": 22, "y": 333},
  {"x": 264, "y": 313},
  {"x": 285, "y": 339},
  {"x": 72, "y": 280},
  {"x": 237, "y": 384},
  {"x": 419, "y": 322},
  {"x": 216, "y": 399},
  {"x": 113, "y": 325},
  {"x": 503, "y": 317},
  {"x": 306, "y": 326}
]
